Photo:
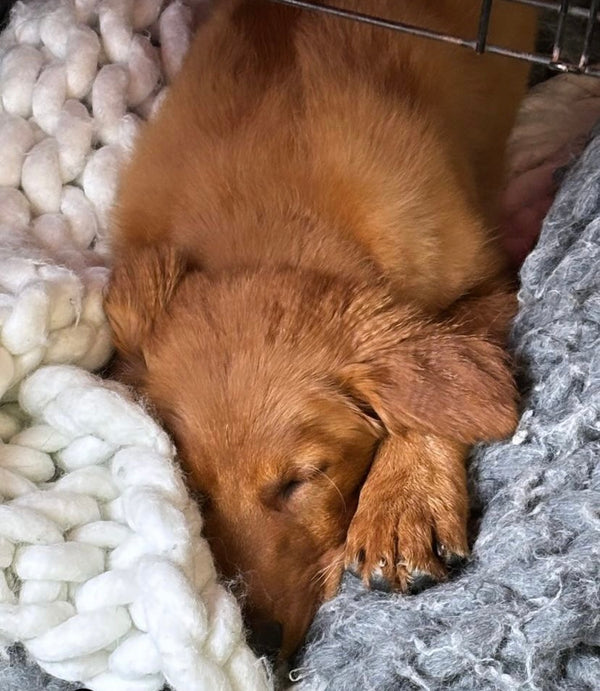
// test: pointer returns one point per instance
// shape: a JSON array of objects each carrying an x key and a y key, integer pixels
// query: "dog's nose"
[{"x": 266, "y": 637}]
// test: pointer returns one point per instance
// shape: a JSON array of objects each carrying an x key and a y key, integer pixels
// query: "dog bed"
[
  {"x": 525, "y": 613},
  {"x": 104, "y": 577}
]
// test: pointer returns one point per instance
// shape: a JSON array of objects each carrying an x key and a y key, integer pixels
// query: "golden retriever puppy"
[{"x": 308, "y": 289}]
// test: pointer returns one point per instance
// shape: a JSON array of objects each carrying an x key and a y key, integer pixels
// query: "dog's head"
[{"x": 278, "y": 387}]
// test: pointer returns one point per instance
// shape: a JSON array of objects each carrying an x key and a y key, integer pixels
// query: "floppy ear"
[
  {"x": 142, "y": 283},
  {"x": 450, "y": 384},
  {"x": 488, "y": 316}
]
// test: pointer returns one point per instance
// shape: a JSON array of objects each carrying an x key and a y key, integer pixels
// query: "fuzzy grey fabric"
[
  {"x": 17, "y": 673},
  {"x": 525, "y": 613}
]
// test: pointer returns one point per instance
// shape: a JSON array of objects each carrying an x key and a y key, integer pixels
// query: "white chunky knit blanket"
[{"x": 104, "y": 577}]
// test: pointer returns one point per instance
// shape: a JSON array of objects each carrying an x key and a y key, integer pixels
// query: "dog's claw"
[
  {"x": 353, "y": 567},
  {"x": 378, "y": 581},
  {"x": 453, "y": 560},
  {"x": 456, "y": 561},
  {"x": 419, "y": 581}
]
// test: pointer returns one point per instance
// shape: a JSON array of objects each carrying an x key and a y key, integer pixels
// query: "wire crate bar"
[{"x": 555, "y": 61}]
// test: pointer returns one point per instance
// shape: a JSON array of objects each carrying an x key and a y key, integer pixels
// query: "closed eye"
[{"x": 287, "y": 489}]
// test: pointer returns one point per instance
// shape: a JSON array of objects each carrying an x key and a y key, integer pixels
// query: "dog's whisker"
[
  {"x": 337, "y": 489},
  {"x": 323, "y": 574}
]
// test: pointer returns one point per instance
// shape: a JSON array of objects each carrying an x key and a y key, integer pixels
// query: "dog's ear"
[
  {"x": 142, "y": 284},
  {"x": 432, "y": 379}
]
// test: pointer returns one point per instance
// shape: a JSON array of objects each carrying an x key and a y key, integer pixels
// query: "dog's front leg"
[{"x": 410, "y": 524}]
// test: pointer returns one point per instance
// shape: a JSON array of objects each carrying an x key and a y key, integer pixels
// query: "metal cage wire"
[{"x": 561, "y": 10}]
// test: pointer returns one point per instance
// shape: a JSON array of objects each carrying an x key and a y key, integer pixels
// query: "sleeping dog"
[{"x": 309, "y": 289}]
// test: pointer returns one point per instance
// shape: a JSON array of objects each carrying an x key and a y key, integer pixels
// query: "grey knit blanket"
[{"x": 525, "y": 613}]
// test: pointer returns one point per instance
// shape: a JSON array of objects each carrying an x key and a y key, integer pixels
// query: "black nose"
[{"x": 266, "y": 637}]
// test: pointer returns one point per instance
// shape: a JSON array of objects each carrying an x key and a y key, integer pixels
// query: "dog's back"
[{"x": 291, "y": 135}]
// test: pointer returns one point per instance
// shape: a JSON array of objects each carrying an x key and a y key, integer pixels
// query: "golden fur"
[{"x": 308, "y": 288}]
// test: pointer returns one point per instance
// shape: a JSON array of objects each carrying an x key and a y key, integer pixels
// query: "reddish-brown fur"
[{"x": 307, "y": 287}]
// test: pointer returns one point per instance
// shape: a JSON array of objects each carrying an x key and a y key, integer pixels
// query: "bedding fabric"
[{"x": 525, "y": 613}]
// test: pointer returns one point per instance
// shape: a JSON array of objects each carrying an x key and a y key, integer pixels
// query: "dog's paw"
[{"x": 406, "y": 538}]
